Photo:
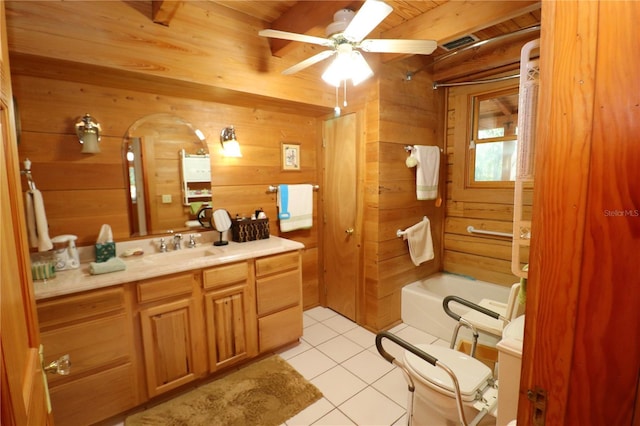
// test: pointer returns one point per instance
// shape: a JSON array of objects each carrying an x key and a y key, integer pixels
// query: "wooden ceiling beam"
[
  {"x": 303, "y": 17},
  {"x": 163, "y": 11},
  {"x": 455, "y": 19}
]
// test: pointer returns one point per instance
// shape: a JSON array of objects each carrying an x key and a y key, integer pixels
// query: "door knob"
[
  {"x": 60, "y": 366},
  {"x": 349, "y": 231}
]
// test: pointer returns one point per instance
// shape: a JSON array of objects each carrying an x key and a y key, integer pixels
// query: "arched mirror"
[{"x": 168, "y": 171}]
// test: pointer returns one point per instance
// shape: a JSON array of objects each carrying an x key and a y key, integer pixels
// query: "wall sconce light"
[
  {"x": 230, "y": 145},
  {"x": 88, "y": 131}
]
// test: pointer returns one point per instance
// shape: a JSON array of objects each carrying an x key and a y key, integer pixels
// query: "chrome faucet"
[
  {"x": 163, "y": 246},
  {"x": 177, "y": 239},
  {"x": 192, "y": 241}
]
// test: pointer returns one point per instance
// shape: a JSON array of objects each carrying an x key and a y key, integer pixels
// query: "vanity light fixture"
[
  {"x": 230, "y": 145},
  {"x": 88, "y": 131}
]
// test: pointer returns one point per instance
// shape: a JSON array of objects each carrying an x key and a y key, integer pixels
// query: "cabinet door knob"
[
  {"x": 349, "y": 231},
  {"x": 60, "y": 366}
]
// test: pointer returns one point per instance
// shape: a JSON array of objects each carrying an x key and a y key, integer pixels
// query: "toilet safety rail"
[
  {"x": 431, "y": 360},
  {"x": 463, "y": 322}
]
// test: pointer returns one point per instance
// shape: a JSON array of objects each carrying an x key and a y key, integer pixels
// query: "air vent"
[{"x": 462, "y": 41}]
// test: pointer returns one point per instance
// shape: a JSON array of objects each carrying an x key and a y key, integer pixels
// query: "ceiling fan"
[{"x": 345, "y": 37}]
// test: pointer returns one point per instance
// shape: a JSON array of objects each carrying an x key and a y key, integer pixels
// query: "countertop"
[{"x": 150, "y": 265}]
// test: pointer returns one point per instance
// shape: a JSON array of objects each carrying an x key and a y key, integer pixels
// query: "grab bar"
[
  {"x": 422, "y": 355},
  {"x": 464, "y": 322},
  {"x": 472, "y": 230},
  {"x": 465, "y": 302}
]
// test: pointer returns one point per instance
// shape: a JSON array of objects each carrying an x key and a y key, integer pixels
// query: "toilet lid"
[{"x": 471, "y": 373}]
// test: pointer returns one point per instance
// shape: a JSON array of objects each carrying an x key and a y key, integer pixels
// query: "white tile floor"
[
  {"x": 359, "y": 386},
  {"x": 340, "y": 358}
]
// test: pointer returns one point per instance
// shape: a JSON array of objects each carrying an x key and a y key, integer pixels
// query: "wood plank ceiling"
[{"x": 440, "y": 20}]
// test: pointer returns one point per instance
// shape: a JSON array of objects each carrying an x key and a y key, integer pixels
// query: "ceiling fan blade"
[
  {"x": 414, "y": 47},
  {"x": 296, "y": 37},
  {"x": 368, "y": 17},
  {"x": 308, "y": 62}
]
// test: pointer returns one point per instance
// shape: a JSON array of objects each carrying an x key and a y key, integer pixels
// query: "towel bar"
[
  {"x": 409, "y": 148},
  {"x": 400, "y": 232},
  {"x": 472, "y": 230},
  {"x": 274, "y": 188}
]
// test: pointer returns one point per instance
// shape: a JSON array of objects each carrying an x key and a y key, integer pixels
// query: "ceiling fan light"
[
  {"x": 360, "y": 69},
  {"x": 338, "y": 70}
]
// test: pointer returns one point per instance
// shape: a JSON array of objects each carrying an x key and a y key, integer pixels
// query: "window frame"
[
  {"x": 459, "y": 100},
  {"x": 470, "y": 160}
]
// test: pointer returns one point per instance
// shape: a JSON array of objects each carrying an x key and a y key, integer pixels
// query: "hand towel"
[
  {"x": 195, "y": 206},
  {"x": 37, "y": 226},
  {"x": 419, "y": 241},
  {"x": 112, "y": 265},
  {"x": 295, "y": 204},
  {"x": 427, "y": 171}
]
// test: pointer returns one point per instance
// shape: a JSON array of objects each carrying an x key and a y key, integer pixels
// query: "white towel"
[
  {"x": 37, "y": 226},
  {"x": 295, "y": 204},
  {"x": 419, "y": 241},
  {"x": 427, "y": 171}
]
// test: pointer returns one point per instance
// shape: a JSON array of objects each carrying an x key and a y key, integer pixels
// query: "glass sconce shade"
[
  {"x": 88, "y": 131},
  {"x": 348, "y": 64},
  {"x": 230, "y": 145}
]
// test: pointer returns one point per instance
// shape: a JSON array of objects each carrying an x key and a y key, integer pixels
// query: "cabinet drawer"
[
  {"x": 90, "y": 345},
  {"x": 272, "y": 264},
  {"x": 86, "y": 305},
  {"x": 278, "y": 291},
  {"x": 225, "y": 275},
  {"x": 94, "y": 398},
  {"x": 280, "y": 328},
  {"x": 165, "y": 287}
]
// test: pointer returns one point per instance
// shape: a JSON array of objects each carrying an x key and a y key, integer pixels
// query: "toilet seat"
[{"x": 472, "y": 374}]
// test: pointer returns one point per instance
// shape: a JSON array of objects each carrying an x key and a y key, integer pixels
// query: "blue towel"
[
  {"x": 295, "y": 203},
  {"x": 283, "y": 202}
]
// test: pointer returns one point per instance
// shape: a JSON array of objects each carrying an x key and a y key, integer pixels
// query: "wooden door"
[
  {"x": 23, "y": 395},
  {"x": 169, "y": 345},
  {"x": 582, "y": 331},
  {"x": 340, "y": 233}
]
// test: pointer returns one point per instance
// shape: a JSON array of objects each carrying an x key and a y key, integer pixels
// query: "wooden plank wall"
[
  {"x": 206, "y": 46},
  {"x": 406, "y": 113},
  {"x": 482, "y": 257},
  {"x": 195, "y": 70},
  {"x": 81, "y": 192}
]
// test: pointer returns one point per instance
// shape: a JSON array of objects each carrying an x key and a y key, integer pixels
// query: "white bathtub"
[{"x": 421, "y": 305}]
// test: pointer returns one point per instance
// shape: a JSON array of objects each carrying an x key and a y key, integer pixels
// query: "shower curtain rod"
[
  {"x": 478, "y": 43},
  {"x": 467, "y": 83}
]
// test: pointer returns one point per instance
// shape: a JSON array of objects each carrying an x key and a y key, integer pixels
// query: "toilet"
[
  {"x": 510, "y": 363},
  {"x": 434, "y": 401}
]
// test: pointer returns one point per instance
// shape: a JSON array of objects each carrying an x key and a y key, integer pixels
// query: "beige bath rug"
[{"x": 267, "y": 392}]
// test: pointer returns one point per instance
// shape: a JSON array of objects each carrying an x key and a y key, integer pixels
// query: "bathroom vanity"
[{"x": 168, "y": 320}]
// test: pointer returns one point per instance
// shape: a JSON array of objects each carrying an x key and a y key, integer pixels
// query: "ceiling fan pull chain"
[{"x": 345, "y": 93}]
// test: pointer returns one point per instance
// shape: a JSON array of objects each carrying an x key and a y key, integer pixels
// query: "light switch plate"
[{"x": 166, "y": 198}]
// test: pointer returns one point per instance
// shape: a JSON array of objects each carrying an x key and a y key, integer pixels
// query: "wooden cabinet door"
[
  {"x": 169, "y": 340},
  {"x": 230, "y": 326}
]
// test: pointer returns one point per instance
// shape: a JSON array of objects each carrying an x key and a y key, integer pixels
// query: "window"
[
  {"x": 491, "y": 162},
  {"x": 482, "y": 128}
]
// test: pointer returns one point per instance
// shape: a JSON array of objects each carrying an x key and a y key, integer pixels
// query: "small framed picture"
[{"x": 290, "y": 156}]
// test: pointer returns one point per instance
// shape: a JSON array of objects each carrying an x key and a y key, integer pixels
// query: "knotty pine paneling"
[
  {"x": 406, "y": 114},
  {"x": 483, "y": 257},
  {"x": 195, "y": 49},
  {"x": 81, "y": 192}
]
